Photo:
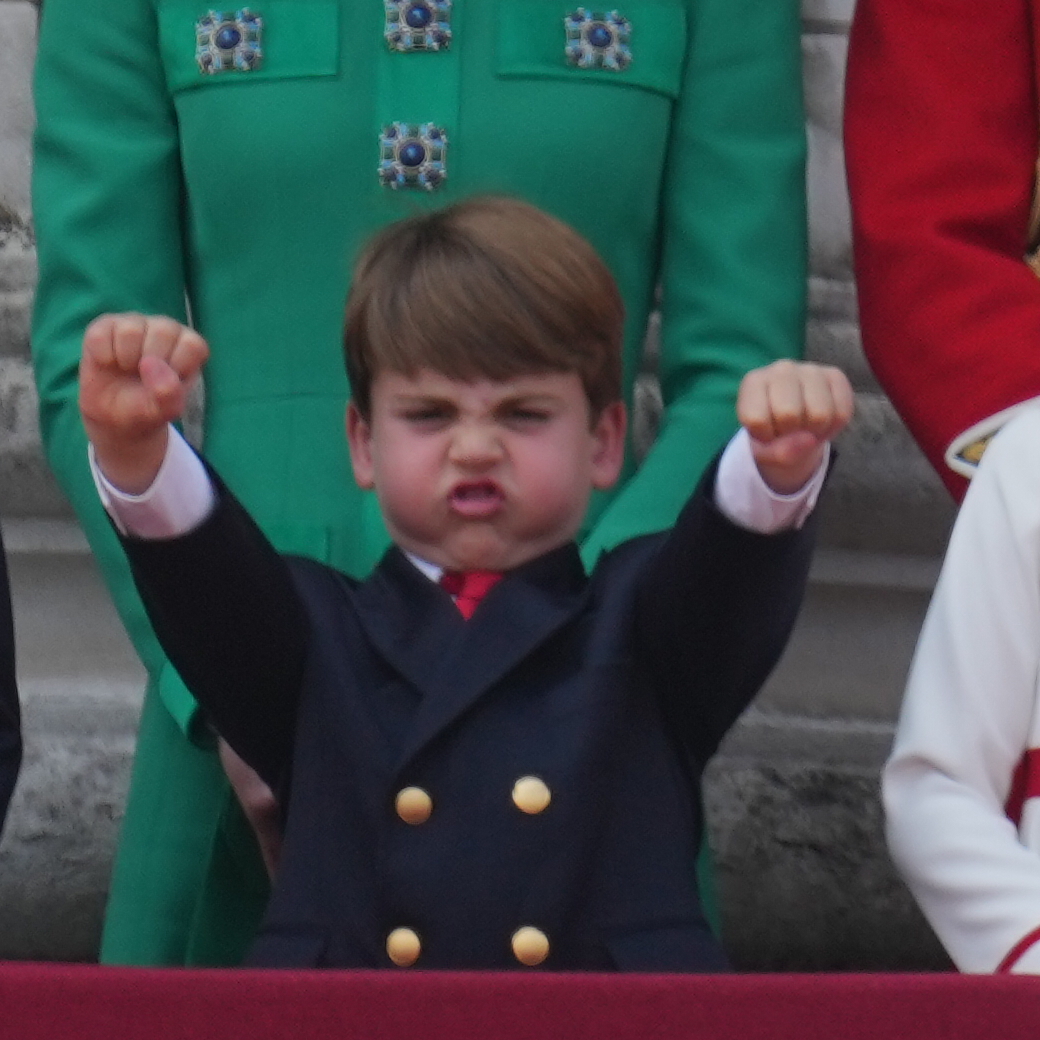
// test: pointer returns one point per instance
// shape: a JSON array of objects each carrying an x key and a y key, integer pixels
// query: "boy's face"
[{"x": 484, "y": 475}]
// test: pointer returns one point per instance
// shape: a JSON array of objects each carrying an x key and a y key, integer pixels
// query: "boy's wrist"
[
  {"x": 744, "y": 497},
  {"x": 789, "y": 479},
  {"x": 787, "y": 464},
  {"x": 129, "y": 464}
]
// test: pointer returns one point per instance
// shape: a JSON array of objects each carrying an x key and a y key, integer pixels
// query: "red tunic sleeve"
[{"x": 941, "y": 143}]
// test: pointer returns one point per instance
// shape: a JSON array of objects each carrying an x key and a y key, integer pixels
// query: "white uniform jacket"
[{"x": 962, "y": 787}]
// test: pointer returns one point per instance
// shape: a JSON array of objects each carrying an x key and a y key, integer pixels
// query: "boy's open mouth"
[{"x": 476, "y": 498}]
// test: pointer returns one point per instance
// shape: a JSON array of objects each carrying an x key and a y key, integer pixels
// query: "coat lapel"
[
  {"x": 453, "y": 662},
  {"x": 411, "y": 621}
]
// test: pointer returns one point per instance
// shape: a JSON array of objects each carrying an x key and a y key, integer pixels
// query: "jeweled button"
[
  {"x": 531, "y": 795},
  {"x": 403, "y": 947},
  {"x": 599, "y": 35},
  {"x": 227, "y": 37},
  {"x": 530, "y": 946},
  {"x": 413, "y": 805},
  {"x": 418, "y": 16},
  {"x": 412, "y": 154}
]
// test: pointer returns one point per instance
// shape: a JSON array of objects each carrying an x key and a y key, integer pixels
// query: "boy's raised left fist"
[
  {"x": 792, "y": 409},
  {"x": 135, "y": 376}
]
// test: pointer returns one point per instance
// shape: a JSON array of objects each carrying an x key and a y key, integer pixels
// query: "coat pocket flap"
[
  {"x": 298, "y": 38},
  {"x": 657, "y": 46}
]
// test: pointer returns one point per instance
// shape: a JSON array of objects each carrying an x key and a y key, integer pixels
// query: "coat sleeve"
[
  {"x": 226, "y": 610},
  {"x": 107, "y": 203},
  {"x": 733, "y": 246},
  {"x": 967, "y": 719},
  {"x": 714, "y": 611},
  {"x": 941, "y": 130}
]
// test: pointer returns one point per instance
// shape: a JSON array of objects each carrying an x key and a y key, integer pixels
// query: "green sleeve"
[
  {"x": 106, "y": 199},
  {"x": 733, "y": 225}
]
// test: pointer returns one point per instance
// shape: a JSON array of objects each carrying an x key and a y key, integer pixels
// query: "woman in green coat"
[{"x": 226, "y": 165}]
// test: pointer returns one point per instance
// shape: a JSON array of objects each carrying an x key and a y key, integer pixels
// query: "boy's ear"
[
  {"x": 359, "y": 441},
  {"x": 608, "y": 453}
]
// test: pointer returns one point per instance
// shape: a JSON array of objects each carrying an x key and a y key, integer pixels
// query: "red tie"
[{"x": 469, "y": 587}]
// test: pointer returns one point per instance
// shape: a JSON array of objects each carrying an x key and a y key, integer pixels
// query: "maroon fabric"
[
  {"x": 1025, "y": 783},
  {"x": 53, "y": 1002},
  {"x": 1014, "y": 955}
]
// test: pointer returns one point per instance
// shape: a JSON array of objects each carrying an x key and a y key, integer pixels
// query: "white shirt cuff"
[
  {"x": 745, "y": 498},
  {"x": 179, "y": 499}
]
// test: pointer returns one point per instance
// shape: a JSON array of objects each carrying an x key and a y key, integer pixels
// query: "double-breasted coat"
[
  {"x": 239, "y": 198},
  {"x": 398, "y": 735}
]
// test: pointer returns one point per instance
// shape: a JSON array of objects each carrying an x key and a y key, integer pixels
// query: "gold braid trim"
[{"x": 1033, "y": 252}]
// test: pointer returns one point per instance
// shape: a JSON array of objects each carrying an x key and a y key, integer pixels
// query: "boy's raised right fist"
[{"x": 135, "y": 376}]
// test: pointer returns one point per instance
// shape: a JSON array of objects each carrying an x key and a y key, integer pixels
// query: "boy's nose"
[{"x": 475, "y": 445}]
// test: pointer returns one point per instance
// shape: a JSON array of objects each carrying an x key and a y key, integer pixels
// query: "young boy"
[{"x": 472, "y": 786}]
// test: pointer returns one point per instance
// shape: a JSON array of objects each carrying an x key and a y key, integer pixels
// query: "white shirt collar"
[{"x": 431, "y": 570}]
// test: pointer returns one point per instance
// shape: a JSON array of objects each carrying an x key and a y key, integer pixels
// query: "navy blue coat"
[{"x": 614, "y": 689}]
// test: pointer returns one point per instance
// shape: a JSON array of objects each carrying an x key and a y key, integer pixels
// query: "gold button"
[
  {"x": 413, "y": 805},
  {"x": 531, "y": 795},
  {"x": 530, "y": 946},
  {"x": 403, "y": 947}
]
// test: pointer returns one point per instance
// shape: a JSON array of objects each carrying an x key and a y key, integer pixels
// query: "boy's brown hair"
[{"x": 488, "y": 288}]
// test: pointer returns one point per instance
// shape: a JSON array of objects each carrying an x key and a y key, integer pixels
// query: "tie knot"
[{"x": 469, "y": 587}]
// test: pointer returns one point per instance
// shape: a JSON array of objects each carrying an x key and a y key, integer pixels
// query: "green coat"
[{"x": 249, "y": 192}]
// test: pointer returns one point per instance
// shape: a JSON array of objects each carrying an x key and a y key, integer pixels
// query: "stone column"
[{"x": 79, "y": 682}]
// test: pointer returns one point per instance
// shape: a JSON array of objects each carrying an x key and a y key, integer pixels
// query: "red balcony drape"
[{"x": 79, "y": 1002}]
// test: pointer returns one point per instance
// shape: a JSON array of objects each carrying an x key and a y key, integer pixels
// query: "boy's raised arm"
[
  {"x": 719, "y": 602},
  {"x": 220, "y": 598}
]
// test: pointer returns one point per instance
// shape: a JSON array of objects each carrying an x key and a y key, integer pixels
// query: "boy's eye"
[
  {"x": 426, "y": 415},
  {"x": 528, "y": 416}
]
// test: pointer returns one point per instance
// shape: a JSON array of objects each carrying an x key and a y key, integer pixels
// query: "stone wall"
[{"x": 793, "y": 796}]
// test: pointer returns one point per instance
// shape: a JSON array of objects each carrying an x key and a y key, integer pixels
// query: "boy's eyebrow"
[
  {"x": 533, "y": 397},
  {"x": 408, "y": 397},
  {"x": 528, "y": 397}
]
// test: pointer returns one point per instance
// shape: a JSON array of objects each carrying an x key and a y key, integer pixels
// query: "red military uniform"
[{"x": 941, "y": 144}]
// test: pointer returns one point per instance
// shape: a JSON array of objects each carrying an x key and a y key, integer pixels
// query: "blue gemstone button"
[
  {"x": 418, "y": 16},
  {"x": 597, "y": 40},
  {"x": 417, "y": 25},
  {"x": 227, "y": 37},
  {"x": 412, "y": 154},
  {"x": 229, "y": 41}
]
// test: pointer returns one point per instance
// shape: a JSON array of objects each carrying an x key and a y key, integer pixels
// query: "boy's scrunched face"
[{"x": 484, "y": 475}]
